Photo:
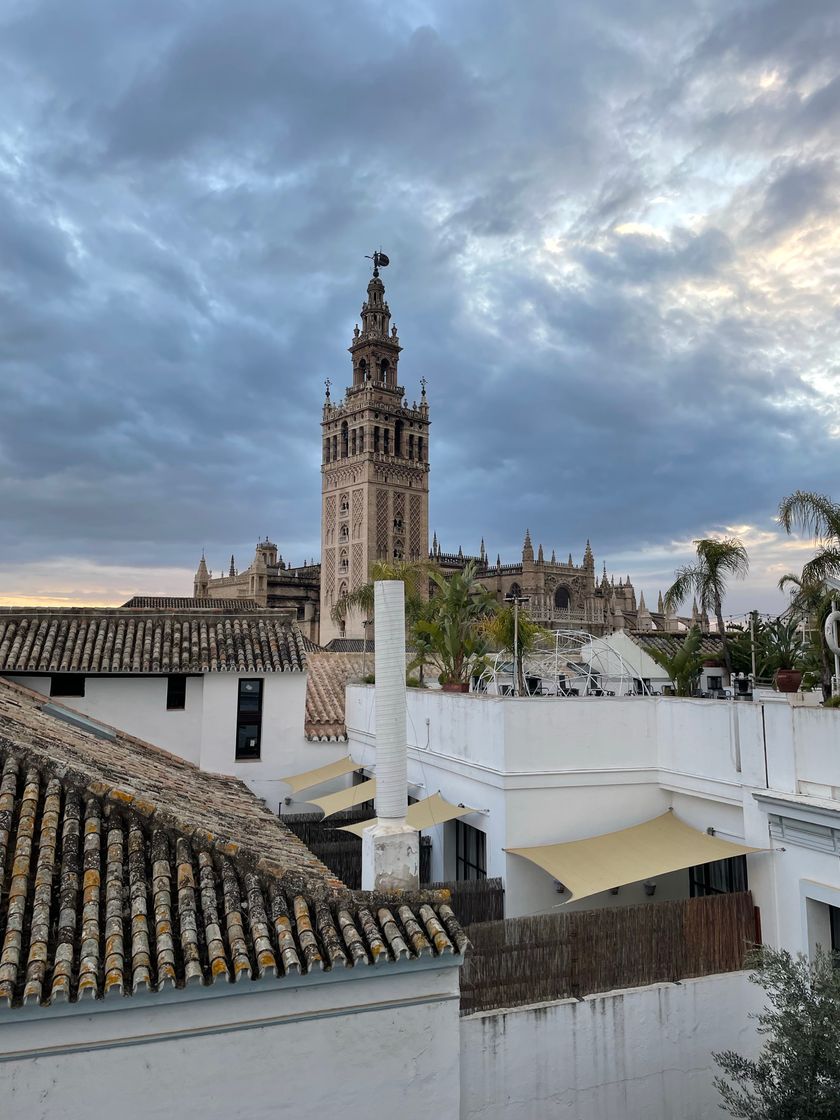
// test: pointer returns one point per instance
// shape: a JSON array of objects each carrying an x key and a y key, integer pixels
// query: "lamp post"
[
  {"x": 365, "y": 624},
  {"x": 516, "y": 600}
]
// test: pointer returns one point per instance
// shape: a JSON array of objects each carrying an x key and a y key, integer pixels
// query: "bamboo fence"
[{"x": 555, "y": 956}]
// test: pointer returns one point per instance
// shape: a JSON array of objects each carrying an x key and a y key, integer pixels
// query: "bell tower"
[{"x": 374, "y": 465}]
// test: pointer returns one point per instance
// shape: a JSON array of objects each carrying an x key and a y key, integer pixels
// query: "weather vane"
[
  {"x": 327, "y": 384},
  {"x": 380, "y": 260}
]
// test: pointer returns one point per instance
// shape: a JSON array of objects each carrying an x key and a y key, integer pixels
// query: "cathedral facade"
[{"x": 375, "y": 506}]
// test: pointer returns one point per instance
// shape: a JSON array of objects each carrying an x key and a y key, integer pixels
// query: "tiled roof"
[
  {"x": 130, "y": 870},
  {"x": 350, "y": 645},
  {"x": 669, "y": 643},
  {"x": 328, "y": 674},
  {"x": 185, "y": 603},
  {"x": 88, "y": 640}
]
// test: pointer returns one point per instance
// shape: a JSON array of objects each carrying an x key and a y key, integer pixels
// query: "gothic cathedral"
[{"x": 374, "y": 467}]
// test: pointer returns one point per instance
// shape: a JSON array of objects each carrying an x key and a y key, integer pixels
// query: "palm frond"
[
  {"x": 686, "y": 582},
  {"x": 826, "y": 563},
  {"x": 812, "y": 513}
]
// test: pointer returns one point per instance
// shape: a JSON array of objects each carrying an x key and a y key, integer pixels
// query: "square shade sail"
[
  {"x": 311, "y": 778},
  {"x": 587, "y": 867},
  {"x": 346, "y": 798},
  {"x": 423, "y": 814}
]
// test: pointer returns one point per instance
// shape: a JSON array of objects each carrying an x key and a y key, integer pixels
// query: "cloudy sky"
[{"x": 614, "y": 242}]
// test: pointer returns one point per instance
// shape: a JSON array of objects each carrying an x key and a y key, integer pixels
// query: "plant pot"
[
  {"x": 455, "y": 686},
  {"x": 788, "y": 680}
]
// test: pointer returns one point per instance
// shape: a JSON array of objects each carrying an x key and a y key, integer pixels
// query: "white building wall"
[
  {"x": 386, "y": 1045},
  {"x": 639, "y": 1054},
  {"x": 136, "y": 705},
  {"x": 551, "y": 770},
  {"x": 205, "y": 731}
]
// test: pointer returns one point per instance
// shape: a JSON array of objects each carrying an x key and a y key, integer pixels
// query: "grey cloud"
[{"x": 193, "y": 189}]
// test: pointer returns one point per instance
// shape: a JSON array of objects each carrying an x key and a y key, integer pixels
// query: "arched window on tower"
[
  {"x": 411, "y": 447},
  {"x": 420, "y": 448},
  {"x": 515, "y": 591},
  {"x": 327, "y": 449},
  {"x": 398, "y": 438},
  {"x": 376, "y": 438},
  {"x": 363, "y": 371},
  {"x": 383, "y": 369},
  {"x": 562, "y": 599},
  {"x": 386, "y": 441},
  {"x": 344, "y": 439},
  {"x": 361, "y": 440},
  {"x": 353, "y": 442}
]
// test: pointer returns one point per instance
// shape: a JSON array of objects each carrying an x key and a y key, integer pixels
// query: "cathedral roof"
[
  {"x": 120, "y": 640},
  {"x": 187, "y": 603},
  {"x": 130, "y": 870}
]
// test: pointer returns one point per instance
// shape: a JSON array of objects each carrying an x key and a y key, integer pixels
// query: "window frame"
[
  {"x": 467, "y": 868},
  {"x": 246, "y": 717},
  {"x": 179, "y": 681},
  {"x": 734, "y": 873}
]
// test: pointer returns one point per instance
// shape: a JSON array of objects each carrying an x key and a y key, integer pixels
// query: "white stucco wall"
[
  {"x": 550, "y": 770},
  {"x": 640, "y": 1054},
  {"x": 362, "y": 1045},
  {"x": 137, "y": 705},
  {"x": 205, "y": 731}
]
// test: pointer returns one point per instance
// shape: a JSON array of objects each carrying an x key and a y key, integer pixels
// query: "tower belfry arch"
[{"x": 374, "y": 464}]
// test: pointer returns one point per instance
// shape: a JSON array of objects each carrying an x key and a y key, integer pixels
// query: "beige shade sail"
[
  {"x": 346, "y": 798},
  {"x": 423, "y": 814},
  {"x": 311, "y": 778},
  {"x": 587, "y": 867}
]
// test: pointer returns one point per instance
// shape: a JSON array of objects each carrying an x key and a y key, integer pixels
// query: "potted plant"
[
  {"x": 451, "y": 626},
  {"x": 782, "y": 655}
]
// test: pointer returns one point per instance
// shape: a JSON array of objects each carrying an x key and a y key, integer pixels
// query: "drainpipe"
[{"x": 390, "y": 848}]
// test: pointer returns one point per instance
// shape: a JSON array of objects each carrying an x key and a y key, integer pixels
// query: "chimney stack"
[{"x": 390, "y": 848}]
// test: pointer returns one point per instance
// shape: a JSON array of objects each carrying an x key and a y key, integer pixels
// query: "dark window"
[
  {"x": 714, "y": 684},
  {"x": 834, "y": 923},
  {"x": 67, "y": 684},
  {"x": 722, "y": 877},
  {"x": 176, "y": 694},
  {"x": 249, "y": 719},
  {"x": 470, "y": 852},
  {"x": 561, "y": 598}
]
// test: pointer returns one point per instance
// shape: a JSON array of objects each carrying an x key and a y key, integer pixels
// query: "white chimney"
[{"x": 390, "y": 848}]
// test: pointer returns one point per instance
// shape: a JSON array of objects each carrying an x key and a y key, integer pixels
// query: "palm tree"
[
  {"x": 452, "y": 622},
  {"x": 501, "y": 627},
  {"x": 820, "y": 516},
  {"x": 411, "y": 572},
  {"x": 717, "y": 560},
  {"x": 682, "y": 664},
  {"x": 811, "y": 603}
]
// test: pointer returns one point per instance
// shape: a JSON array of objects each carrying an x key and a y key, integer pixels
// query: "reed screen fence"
[{"x": 555, "y": 956}]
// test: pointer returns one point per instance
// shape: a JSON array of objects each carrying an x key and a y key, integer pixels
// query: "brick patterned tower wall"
[{"x": 374, "y": 466}]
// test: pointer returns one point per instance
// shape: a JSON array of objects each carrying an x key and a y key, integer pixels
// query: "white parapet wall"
[{"x": 639, "y": 1054}]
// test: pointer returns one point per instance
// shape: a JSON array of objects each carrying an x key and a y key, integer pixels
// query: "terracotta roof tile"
[
  {"x": 204, "y": 884},
  {"x": 327, "y": 677},
  {"x": 120, "y": 640}
]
